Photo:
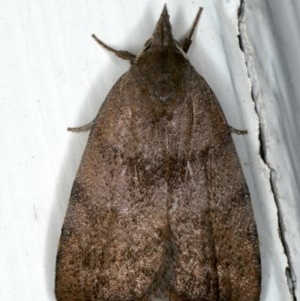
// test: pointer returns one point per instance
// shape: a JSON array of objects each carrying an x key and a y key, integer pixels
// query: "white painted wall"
[{"x": 53, "y": 75}]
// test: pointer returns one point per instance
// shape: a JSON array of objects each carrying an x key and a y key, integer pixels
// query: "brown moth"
[{"x": 159, "y": 207}]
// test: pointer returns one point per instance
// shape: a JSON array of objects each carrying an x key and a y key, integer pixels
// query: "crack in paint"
[{"x": 244, "y": 46}]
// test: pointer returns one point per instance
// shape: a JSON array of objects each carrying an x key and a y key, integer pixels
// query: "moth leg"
[
  {"x": 83, "y": 128},
  {"x": 125, "y": 55},
  {"x": 237, "y": 131},
  {"x": 188, "y": 40}
]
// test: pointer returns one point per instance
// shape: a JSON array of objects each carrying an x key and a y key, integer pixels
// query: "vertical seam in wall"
[{"x": 255, "y": 94}]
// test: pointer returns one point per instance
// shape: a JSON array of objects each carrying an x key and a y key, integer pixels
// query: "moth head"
[{"x": 162, "y": 37}]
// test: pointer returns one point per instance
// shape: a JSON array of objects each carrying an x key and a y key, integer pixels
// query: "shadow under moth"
[{"x": 159, "y": 208}]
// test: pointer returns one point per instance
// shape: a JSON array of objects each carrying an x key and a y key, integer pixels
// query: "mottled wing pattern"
[
  {"x": 159, "y": 204},
  {"x": 211, "y": 217},
  {"x": 113, "y": 239}
]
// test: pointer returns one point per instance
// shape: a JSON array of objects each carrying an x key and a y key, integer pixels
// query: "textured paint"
[{"x": 159, "y": 206}]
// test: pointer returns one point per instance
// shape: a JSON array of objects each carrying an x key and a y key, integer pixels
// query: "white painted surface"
[
  {"x": 273, "y": 56},
  {"x": 53, "y": 75}
]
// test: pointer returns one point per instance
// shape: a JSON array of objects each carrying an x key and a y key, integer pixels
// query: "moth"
[{"x": 159, "y": 207}]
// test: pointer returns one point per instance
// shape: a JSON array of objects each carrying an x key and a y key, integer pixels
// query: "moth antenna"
[
  {"x": 125, "y": 55},
  {"x": 188, "y": 40}
]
